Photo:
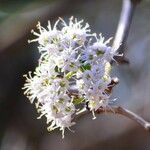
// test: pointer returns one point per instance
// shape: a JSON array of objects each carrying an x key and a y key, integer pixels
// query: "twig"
[
  {"x": 127, "y": 113},
  {"x": 124, "y": 24},
  {"x": 128, "y": 8},
  {"x": 118, "y": 110}
]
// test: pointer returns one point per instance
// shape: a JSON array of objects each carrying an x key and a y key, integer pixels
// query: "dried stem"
[{"x": 121, "y": 111}]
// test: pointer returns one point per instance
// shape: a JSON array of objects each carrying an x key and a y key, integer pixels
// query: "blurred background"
[{"x": 19, "y": 128}]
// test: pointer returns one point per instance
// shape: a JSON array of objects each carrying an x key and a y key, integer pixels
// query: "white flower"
[
  {"x": 75, "y": 31},
  {"x": 71, "y": 57},
  {"x": 46, "y": 36}
]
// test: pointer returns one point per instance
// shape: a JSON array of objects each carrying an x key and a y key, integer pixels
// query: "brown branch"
[{"x": 118, "y": 110}]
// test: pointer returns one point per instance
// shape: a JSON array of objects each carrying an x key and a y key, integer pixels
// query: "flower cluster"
[{"x": 72, "y": 59}]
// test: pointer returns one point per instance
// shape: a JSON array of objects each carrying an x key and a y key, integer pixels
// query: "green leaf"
[
  {"x": 57, "y": 69},
  {"x": 85, "y": 67},
  {"x": 70, "y": 74},
  {"x": 77, "y": 100},
  {"x": 62, "y": 84},
  {"x": 67, "y": 109},
  {"x": 99, "y": 52}
]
